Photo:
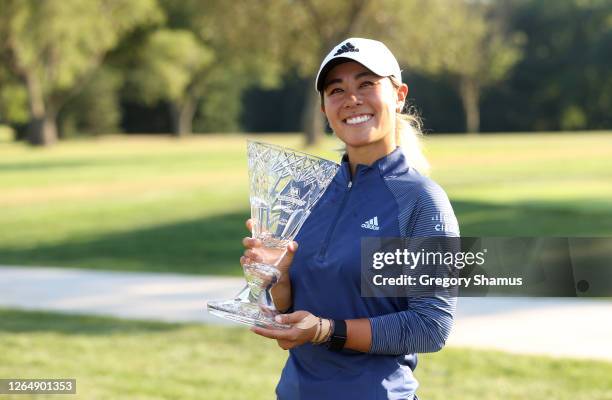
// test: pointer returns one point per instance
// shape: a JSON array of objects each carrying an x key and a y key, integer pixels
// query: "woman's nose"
[{"x": 352, "y": 99}]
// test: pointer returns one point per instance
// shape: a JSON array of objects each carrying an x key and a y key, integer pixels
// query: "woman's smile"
[{"x": 358, "y": 119}]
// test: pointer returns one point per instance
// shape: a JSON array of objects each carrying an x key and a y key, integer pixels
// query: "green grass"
[
  {"x": 160, "y": 204},
  {"x": 115, "y": 359}
]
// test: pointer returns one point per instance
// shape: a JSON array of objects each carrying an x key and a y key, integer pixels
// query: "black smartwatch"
[{"x": 338, "y": 337}]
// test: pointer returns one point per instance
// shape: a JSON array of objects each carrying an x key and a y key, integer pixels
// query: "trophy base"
[{"x": 244, "y": 313}]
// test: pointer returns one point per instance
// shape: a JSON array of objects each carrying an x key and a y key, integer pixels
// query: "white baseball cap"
[{"x": 372, "y": 54}]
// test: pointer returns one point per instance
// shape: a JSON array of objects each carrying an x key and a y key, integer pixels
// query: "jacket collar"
[{"x": 393, "y": 163}]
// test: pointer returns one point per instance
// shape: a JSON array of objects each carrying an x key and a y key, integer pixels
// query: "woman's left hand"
[{"x": 292, "y": 337}]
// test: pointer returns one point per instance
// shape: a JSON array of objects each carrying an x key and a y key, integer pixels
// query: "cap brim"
[{"x": 331, "y": 64}]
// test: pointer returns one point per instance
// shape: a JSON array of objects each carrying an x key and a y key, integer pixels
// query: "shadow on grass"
[
  {"x": 14, "y": 321},
  {"x": 44, "y": 165},
  {"x": 202, "y": 246},
  {"x": 212, "y": 245}
]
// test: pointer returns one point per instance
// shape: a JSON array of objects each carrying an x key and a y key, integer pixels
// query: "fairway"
[
  {"x": 113, "y": 359},
  {"x": 161, "y": 204}
]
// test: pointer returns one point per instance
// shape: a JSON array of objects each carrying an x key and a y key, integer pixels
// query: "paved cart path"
[{"x": 557, "y": 327}]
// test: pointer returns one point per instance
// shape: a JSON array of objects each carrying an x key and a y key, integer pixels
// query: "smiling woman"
[
  {"x": 343, "y": 345},
  {"x": 360, "y": 107},
  {"x": 380, "y": 110}
]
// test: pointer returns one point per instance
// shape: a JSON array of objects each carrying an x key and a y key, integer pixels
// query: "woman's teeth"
[{"x": 358, "y": 120}]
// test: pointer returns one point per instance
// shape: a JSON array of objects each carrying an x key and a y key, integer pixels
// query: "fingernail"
[{"x": 278, "y": 318}]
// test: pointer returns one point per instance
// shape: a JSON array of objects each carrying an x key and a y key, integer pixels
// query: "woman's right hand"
[{"x": 254, "y": 251}]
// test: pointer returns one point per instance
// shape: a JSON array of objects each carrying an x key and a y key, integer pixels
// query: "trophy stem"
[
  {"x": 260, "y": 279},
  {"x": 253, "y": 305}
]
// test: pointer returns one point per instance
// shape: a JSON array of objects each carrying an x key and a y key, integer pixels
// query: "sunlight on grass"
[
  {"x": 161, "y": 204},
  {"x": 113, "y": 359}
]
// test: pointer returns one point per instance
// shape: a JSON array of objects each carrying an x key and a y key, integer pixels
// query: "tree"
[
  {"x": 465, "y": 40},
  {"x": 563, "y": 81},
  {"x": 432, "y": 36},
  {"x": 13, "y": 99},
  {"x": 96, "y": 108},
  {"x": 318, "y": 26},
  {"x": 168, "y": 68},
  {"x": 55, "y": 46},
  {"x": 405, "y": 26},
  {"x": 206, "y": 54},
  {"x": 480, "y": 52}
]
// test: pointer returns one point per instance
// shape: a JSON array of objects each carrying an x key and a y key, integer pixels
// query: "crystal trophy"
[{"x": 284, "y": 187}]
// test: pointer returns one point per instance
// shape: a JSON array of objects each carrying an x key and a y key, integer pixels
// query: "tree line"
[{"x": 94, "y": 66}]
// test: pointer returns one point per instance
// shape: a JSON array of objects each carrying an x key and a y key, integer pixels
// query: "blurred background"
[
  {"x": 123, "y": 128},
  {"x": 75, "y": 68}
]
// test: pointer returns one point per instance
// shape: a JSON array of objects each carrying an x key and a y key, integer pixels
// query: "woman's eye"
[
  {"x": 366, "y": 83},
  {"x": 335, "y": 90}
]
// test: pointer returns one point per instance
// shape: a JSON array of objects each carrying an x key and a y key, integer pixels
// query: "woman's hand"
[
  {"x": 292, "y": 337},
  {"x": 256, "y": 252}
]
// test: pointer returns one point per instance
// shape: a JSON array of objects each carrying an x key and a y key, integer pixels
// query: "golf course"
[
  {"x": 166, "y": 205},
  {"x": 159, "y": 204}
]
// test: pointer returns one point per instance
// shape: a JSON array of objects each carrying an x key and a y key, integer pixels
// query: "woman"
[{"x": 343, "y": 345}]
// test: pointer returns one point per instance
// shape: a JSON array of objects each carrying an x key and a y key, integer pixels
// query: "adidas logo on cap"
[{"x": 346, "y": 48}]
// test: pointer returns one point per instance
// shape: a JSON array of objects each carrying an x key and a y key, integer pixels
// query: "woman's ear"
[{"x": 402, "y": 93}]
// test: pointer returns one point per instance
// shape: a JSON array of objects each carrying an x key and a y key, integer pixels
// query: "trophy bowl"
[{"x": 284, "y": 186}]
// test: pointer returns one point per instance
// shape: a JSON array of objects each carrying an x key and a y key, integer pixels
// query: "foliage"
[
  {"x": 168, "y": 61},
  {"x": 530, "y": 64},
  {"x": 205, "y": 56},
  {"x": 564, "y": 80},
  {"x": 13, "y": 102},
  {"x": 54, "y": 46},
  {"x": 220, "y": 110},
  {"x": 13, "y": 96},
  {"x": 61, "y": 41},
  {"x": 470, "y": 45},
  {"x": 95, "y": 109},
  {"x": 473, "y": 47}
]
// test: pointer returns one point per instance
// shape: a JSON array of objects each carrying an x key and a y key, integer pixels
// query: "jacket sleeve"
[{"x": 426, "y": 323}]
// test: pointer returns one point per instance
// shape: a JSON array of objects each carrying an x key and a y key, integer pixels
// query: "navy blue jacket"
[{"x": 386, "y": 199}]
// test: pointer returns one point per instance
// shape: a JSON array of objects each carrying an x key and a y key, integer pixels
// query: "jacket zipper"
[{"x": 323, "y": 251}]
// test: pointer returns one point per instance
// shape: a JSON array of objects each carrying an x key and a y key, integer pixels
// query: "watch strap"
[{"x": 338, "y": 337}]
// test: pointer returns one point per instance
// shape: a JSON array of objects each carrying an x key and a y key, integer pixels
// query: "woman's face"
[{"x": 361, "y": 106}]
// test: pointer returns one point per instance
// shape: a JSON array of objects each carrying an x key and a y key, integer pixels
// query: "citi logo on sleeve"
[
  {"x": 372, "y": 223},
  {"x": 446, "y": 222}
]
